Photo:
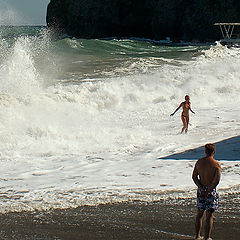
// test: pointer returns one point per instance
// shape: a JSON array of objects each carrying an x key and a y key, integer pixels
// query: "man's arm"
[
  {"x": 195, "y": 177},
  {"x": 216, "y": 178}
]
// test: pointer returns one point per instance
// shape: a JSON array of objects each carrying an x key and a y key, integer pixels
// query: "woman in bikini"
[{"x": 185, "y": 113}]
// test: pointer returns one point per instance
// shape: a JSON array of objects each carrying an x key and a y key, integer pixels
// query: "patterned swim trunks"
[{"x": 209, "y": 203}]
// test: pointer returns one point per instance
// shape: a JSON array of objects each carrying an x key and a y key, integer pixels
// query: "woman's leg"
[
  {"x": 184, "y": 120},
  {"x": 187, "y": 122}
]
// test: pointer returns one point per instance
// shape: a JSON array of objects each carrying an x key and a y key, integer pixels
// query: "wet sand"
[{"x": 128, "y": 220}]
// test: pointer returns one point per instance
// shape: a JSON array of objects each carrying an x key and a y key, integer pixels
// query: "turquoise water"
[{"x": 81, "y": 59}]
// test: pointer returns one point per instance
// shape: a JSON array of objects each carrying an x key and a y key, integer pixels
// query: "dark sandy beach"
[{"x": 128, "y": 220}]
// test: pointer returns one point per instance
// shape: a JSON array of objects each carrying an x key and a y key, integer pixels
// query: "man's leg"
[
  {"x": 198, "y": 223},
  {"x": 208, "y": 224}
]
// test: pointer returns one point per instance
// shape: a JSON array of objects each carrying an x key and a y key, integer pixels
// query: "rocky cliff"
[{"x": 187, "y": 20}]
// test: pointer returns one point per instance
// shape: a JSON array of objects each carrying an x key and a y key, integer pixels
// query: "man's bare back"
[{"x": 209, "y": 171}]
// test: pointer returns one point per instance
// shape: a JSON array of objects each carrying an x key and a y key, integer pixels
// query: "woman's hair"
[
  {"x": 210, "y": 148},
  {"x": 187, "y": 97}
]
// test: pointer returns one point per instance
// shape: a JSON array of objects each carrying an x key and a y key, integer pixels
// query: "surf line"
[{"x": 174, "y": 234}]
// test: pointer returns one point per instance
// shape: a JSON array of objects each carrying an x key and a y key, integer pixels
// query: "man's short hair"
[{"x": 210, "y": 148}]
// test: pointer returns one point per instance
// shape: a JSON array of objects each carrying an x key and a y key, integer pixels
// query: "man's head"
[{"x": 210, "y": 149}]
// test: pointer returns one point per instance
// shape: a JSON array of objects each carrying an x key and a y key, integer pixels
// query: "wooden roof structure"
[
  {"x": 227, "y": 30},
  {"x": 234, "y": 24}
]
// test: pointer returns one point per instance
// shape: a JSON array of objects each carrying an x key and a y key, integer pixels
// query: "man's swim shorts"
[{"x": 209, "y": 203}]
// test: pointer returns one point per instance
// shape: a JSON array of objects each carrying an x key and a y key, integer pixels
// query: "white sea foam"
[{"x": 66, "y": 145}]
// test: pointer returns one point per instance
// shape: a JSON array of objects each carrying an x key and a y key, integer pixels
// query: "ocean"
[{"x": 86, "y": 122}]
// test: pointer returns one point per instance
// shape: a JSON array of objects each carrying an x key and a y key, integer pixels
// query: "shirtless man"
[
  {"x": 185, "y": 113},
  {"x": 206, "y": 175}
]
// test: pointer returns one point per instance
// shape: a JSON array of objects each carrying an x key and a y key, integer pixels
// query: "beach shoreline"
[{"x": 165, "y": 219}]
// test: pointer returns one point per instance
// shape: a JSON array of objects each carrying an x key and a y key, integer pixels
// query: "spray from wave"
[
  {"x": 72, "y": 107},
  {"x": 53, "y": 105}
]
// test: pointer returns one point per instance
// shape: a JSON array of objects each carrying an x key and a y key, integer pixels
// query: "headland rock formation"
[{"x": 186, "y": 20}]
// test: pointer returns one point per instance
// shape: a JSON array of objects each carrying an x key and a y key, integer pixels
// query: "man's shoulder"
[
  {"x": 217, "y": 163},
  {"x": 206, "y": 160},
  {"x": 199, "y": 163},
  {"x": 201, "y": 159},
  {"x": 209, "y": 161}
]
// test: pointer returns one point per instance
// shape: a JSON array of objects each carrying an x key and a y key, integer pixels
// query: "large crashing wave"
[{"x": 53, "y": 105}]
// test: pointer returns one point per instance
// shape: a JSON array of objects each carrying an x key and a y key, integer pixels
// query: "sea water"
[{"x": 88, "y": 121}]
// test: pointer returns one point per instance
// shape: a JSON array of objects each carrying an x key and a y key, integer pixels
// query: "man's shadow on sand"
[{"x": 228, "y": 150}]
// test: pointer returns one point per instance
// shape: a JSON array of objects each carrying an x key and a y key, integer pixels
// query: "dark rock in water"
[{"x": 187, "y": 20}]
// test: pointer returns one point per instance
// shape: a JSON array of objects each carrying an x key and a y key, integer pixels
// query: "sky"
[{"x": 23, "y": 12}]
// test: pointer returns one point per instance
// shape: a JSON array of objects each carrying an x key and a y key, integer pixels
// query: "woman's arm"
[
  {"x": 176, "y": 110},
  {"x": 191, "y": 109}
]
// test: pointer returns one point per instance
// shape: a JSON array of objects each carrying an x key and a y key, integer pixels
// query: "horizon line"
[{"x": 33, "y": 25}]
